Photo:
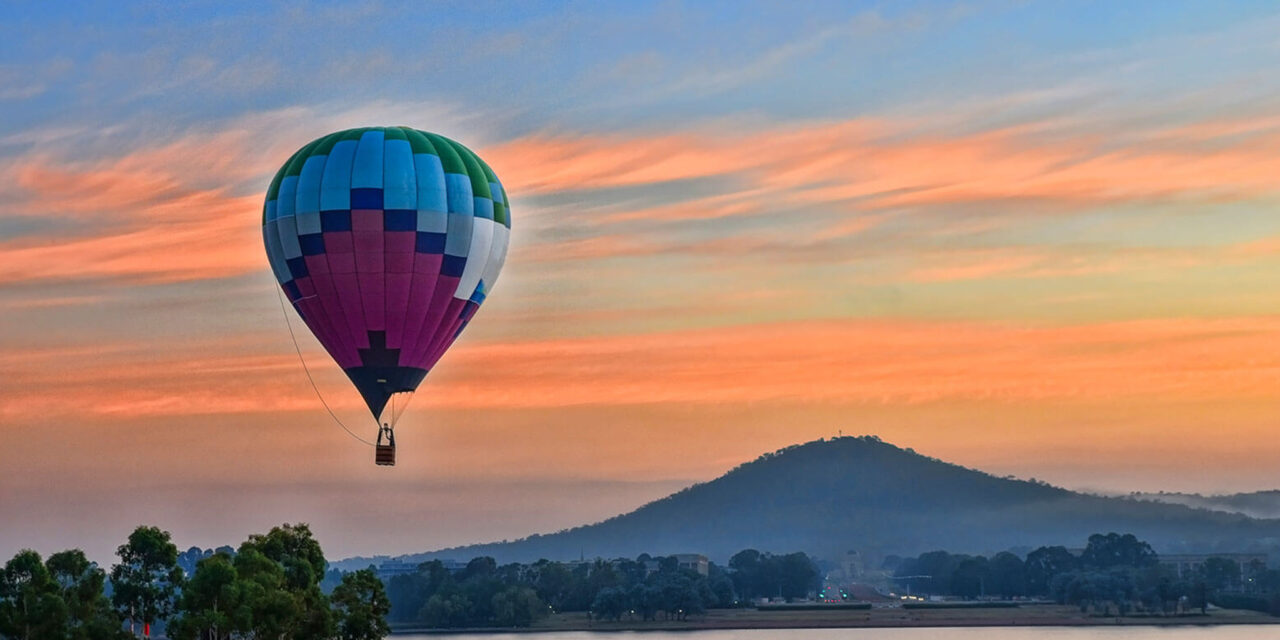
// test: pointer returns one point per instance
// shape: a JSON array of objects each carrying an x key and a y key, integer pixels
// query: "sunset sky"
[{"x": 1036, "y": 238}]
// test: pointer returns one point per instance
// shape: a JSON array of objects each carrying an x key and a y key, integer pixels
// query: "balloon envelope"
[{"x": 386, "y": 240}]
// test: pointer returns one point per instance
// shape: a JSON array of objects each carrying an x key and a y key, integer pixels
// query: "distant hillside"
[
  {"x": 827, "y": 496},
  {"x": 1257, "y": 504}
]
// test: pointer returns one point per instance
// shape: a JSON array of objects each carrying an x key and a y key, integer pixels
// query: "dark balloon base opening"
[{"x": 377, "y": 384}]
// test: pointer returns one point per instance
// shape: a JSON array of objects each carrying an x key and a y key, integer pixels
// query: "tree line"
[
  {"x": 1114, "y": 573},
  {"x": 645, "y": 588},
  {"x": 269, "y": 587}
]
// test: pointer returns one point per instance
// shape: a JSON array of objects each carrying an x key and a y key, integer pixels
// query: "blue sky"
[{"x": 987, "y": 230}]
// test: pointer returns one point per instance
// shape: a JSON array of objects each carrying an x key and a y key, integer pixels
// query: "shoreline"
[{"x": 881, "y": 618}]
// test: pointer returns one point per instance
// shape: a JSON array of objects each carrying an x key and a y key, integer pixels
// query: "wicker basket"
[{"x": 385, "y": 455}]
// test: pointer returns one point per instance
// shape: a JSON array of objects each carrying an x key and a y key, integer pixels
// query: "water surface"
[{"x": 1225, "y": 632}]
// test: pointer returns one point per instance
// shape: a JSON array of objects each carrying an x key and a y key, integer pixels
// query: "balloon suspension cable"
[
  {"x": 397, "y": 412},
  {"x": 307, "y": 369}
]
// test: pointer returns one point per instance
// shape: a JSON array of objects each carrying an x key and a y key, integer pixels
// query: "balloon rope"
[{"x": 308, "y": 370}]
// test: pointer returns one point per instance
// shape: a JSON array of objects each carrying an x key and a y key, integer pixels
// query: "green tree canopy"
[
  {"x": 31, "y": 607},
  {"x": 361, "y": 605},
  {"x": 146, "y": 581},
  {"x": 213, "y": 604},
  {"x": 294, "y": 549},
  {"x": 90, "y": 616}
]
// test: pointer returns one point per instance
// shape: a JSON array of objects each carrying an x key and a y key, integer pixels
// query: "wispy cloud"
[
  {"x": 174, "y": 211},
  {"x": 161, "y": 208},
  {"x": 887, "y": 165},
  {"x": 832, "y": 362}
]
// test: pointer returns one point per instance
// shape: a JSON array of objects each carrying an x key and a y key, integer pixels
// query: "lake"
[{"x": 1227, "y": 632}]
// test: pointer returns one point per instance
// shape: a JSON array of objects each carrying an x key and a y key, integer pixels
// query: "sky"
[{"x": 1035, "y": 238}]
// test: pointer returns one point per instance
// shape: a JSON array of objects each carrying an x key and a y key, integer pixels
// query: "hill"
[
  {"x": 827, "y": 496},
  {"x": 1256, "y": 504}
]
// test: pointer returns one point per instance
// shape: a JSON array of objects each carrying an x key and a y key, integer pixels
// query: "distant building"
[
  {"x": 852, "y": 565},
  {"x": 393, "y": 568},
  {"x": 693, "y": 561},
  {"x": 1186, "y": 565}
]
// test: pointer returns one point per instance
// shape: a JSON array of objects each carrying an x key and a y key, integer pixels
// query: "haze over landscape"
[
  {"x": 1036, "y": 240},
  {"x": 827, "y": 496}
]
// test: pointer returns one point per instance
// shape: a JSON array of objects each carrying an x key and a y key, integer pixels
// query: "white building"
[{"x": 693, "y": 561}]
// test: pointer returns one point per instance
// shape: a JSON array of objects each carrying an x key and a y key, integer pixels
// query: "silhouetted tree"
[
  {"x": 1007, "y": 575},
  {"x": 1115, "y": 550},
  {"x": 1219, "y": 573},
  {"x": 969, "y": 578},
  {"x": 1044, "y": 564},
  {"x": 446, "y": 610},
  {"x": 609, "y": 604}
]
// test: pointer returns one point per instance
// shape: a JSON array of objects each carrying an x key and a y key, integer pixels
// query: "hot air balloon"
[{"x": 386, "y": 240}]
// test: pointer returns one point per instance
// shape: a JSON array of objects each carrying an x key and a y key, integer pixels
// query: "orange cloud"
[
  {"x": 145, "y": 216},
  {"x": 170, "y": 212},
  {"x": 833, "y": 362},
  {"x": 1030, "y": 262},
  {"x": 889, "y": 166},
  {"x": 608, "y": 246},
  {"x": 224, "y": 244}
]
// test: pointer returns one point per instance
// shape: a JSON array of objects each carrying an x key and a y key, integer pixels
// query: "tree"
[
  {"x": 293, "y": 549},
  {"x": 1007, "y": 575},
  {"x": 80, "y": 585},
  {"x": 939, "y": 565},
  {"x": 680, "y": 597},
  {"x": 481, "y": 567},
  {"x": 747, "y": 576},
  {"x": 1045, "y": 563},
  {"x": 553, "y": 582},
  {"x": 361, "y": 606},
  {"x": 969, "y": 579},
  {"x": 31, "y": 607},
  {"x": 1115, "y": 550},
  {"x": 408, "y": 593},
  {"x": 296, "y": 549},
  {"x": 721, "y": 587},
  {"x": 609, "y": 604},
  {"x": 517, "y": 606},
  {"x": 891, "y": 562},
  {"x": 646, "y": 599},
  {"x": 272, "y": 610},
  {"x": 446, "y": 610},
  {"x": 797, "y": 575},
  {"x": 213, "y": 605},
  {"x": 758, "y": 574},
  {"x": 145, "y": 584},
  {"x": 1219, "y": 573}
]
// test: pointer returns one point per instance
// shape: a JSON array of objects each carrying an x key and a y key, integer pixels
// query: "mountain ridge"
[
  {"x": 1263, "y": 504},
  {"x": 829, "y": 495}
]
